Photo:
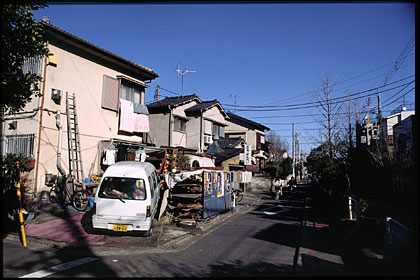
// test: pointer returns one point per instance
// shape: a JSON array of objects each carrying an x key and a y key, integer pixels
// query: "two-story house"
[
  {"x": 109, "y": 96},
  {"x": 186, "y": 122},
  {"x": 253, "y": 134}
]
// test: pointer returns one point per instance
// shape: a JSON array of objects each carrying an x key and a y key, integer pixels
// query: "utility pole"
[
  {"x": 293, "y": 149},
  {"x": 157, "y": 92},
  {"x": 350, "y": 134},
  {"x": 297, "y": 155},
  {"x": 379, "y": 106}
]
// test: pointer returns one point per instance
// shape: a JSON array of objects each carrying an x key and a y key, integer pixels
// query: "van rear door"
[{"x": 122, "y": 196}]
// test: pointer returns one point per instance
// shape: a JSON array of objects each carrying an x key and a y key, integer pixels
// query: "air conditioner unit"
[{"x": 207, "y": 139}]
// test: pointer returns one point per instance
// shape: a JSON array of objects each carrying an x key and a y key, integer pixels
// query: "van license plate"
[{"x": 120, "y": 227}]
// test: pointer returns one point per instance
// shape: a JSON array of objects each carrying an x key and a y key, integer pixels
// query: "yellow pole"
[{"x": 19, "y": 194}]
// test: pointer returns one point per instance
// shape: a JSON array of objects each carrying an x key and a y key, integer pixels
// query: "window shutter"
[{"x": 110, "y": 93}]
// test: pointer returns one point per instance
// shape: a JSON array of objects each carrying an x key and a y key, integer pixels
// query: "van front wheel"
[{"x": 149, "y": 232}]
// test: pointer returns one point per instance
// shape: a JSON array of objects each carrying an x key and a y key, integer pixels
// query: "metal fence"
[{"x": 20, "y": 144}]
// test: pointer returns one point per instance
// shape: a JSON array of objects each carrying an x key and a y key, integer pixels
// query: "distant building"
[
  {"x": 404, "y": 134},
  {"x": 367, "y": 132},
  {"x": 386, "y": 127},
  {"x": 253, "y": 134}
]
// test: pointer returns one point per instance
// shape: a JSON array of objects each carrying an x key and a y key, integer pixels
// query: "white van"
[{"x": 127, "y": 197}]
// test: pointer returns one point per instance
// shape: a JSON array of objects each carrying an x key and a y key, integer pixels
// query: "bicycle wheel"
[
  {"x": 80, "y": 200},
  {"x": 56, "y": 195},
  {"x": 240, "y": 197}
]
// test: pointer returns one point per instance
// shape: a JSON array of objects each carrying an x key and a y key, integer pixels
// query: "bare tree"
[
  {"x": 329, "y": 110},
  {"x": 277, "y": 147}
]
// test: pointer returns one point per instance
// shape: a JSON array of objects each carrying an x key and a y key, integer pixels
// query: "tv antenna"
[
  {"x": 234, "y": 96},
  {"x": 182, "y": 72}
]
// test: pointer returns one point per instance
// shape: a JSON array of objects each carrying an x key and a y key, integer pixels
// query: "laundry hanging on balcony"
[
  {"x": 110, "y": 156},
  {"x": 131, "y": 121}
]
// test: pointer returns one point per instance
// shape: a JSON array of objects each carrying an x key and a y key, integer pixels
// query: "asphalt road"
[{"x": 274, "y": 238}]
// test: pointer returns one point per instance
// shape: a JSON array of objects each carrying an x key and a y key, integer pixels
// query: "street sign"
[{"x": 247, "y": 154}]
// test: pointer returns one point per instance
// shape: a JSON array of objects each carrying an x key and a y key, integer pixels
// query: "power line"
[
  {"x": 399, "y": 97},
  {"x": 298, "y": 116},
  {"x": 316, "y": 103},
  {"x": 266, "y": 109},
  {"x": 341, "y": 82}
]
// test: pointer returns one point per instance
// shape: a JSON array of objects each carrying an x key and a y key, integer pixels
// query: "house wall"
[
  {"x": 250, "y": 136},
  {"x": 84, "y": 78},
  {"x": 193, "y": 134},
  {"x": 214, "y": 115},
  {"x": 159, "y": 129},
  {"x": 203, "y": 161},
  {"x": 233, "y": 160},
  {"x": 180, "y": 138},
  {"x": 392, "y": 120}
]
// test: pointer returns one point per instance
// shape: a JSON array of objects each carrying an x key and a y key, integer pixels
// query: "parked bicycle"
[
  {"x": 61, "y": 195},
  {"x": 238, "y": 195}
]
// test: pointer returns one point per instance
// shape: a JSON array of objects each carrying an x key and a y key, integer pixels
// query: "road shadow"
[
  {"x": 260, "y": 269},
  {"x": 314, "y": 266},
  {"x": 49, "y": 257}
]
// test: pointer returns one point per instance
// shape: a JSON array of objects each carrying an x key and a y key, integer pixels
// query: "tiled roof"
[
  {"x": 229, "y": 143},
  {"x": 204, "y": 105},
  {"x": 234, "y": 117},
  {"x": 227, "y": 154},
  {"x": 172, "y": 101}
]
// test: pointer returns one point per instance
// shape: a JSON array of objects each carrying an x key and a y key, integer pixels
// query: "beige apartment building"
[{"x": 109, "y": 99}]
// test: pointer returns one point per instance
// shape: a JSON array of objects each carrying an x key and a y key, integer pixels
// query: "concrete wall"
[{"x": 260, "y": 183}]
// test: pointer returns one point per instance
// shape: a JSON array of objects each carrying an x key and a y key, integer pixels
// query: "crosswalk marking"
[
  {"x": 283, "y": 209},
  {"x": 58, "y": 268}
]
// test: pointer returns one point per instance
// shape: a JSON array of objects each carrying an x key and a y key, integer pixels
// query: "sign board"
[{"x": 247, "y": 154}]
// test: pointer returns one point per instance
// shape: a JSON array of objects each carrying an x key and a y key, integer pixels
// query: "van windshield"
[{"x": 122, "y": 188}]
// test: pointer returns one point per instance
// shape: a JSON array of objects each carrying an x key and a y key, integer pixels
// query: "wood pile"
[{"x": 186, "y": 201}]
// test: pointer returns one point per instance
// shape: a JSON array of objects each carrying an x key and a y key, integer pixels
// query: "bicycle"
[
  {"x": 238, "y": 195},
  {"x": 61, "y": 195}
]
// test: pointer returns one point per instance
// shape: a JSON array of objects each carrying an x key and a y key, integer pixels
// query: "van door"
[{"x": 154, "y": 189}]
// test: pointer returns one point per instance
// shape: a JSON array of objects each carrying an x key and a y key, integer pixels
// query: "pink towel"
[{"x": 142, "y": 123}]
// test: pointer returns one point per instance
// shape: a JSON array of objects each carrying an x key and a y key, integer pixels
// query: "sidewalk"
[
  {"x": 66, "y": 227},
  {"x": 360, "y": 242}
]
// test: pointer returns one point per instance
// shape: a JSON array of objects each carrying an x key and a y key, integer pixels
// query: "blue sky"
[{"x": 256, "y": 54}]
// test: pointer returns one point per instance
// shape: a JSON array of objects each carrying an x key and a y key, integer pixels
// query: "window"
[
  {"x": 218, "y": 130},
  {"x": 122, "y": 188},
  {"x": 131, "y": 93},
  {"x": 180, "y": 124},
  {"x": 32, "y": 65},
  {"x": 151, "y": 183},
  {"x": 114, "y": 88},
  {"x": 20, "y": 144}
]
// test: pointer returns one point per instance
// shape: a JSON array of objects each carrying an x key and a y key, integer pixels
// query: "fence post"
[{"x": 19, "y": 194}]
